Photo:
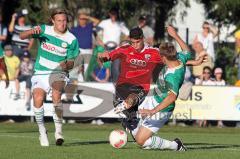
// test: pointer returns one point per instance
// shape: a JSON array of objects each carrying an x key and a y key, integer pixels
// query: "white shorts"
[
  {"x": 45, "y": 81},
  {"x": 157, "y": 121}
]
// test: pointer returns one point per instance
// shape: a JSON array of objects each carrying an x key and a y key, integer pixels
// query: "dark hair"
[
  {"x": 136, "y": 33},
  {"x": 142, "y": 18},
  {"x": 168, "y": 50},
  {"x": 113, "y": 11},
  {"x": 207, "y": 68},
  {"x": 205, "y": 22}
]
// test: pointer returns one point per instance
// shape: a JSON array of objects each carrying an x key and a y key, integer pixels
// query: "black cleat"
[
  {"x": 180, "y": 147},
  {"x": 59, "y": 142}
]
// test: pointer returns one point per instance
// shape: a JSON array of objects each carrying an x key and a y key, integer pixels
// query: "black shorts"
[
  {"x": 122, "y": 91},
  {"x": 27, "y": 79}
]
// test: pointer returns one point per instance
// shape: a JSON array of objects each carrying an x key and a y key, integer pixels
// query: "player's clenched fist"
[
  {"x": 103, "y": 57},
  {"x": 171, "y": 31},
  {"x": 36, "y": 30}
]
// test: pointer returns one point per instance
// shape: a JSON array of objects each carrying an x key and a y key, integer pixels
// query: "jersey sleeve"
[
  {"x": 173, "y": 84},
  {"x": 184, "y": 56},
  {"x": 115, "y": 54},
  {"x": 42, "y": 32},
  {"x": 1, "y": 51},
  {"x": 73, "y": 50},
  {"x": 102, "y": 24},
  {"x": 158, "y": 59},
  {"x": 124, "y": 29}
]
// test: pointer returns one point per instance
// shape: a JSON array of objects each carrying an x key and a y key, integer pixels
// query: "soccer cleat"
[
  {"x": 44, "y": 139},
  {"x": 180, "y": 147},
  {"x": 59, "y": 139},
  {"x": 28, "y": 106},
  {"x": 147, "y": 148},
  {"x": 120, "y": 107},
  {"x": 131, "y": 100},
  {"x": 16, "y": 97}
]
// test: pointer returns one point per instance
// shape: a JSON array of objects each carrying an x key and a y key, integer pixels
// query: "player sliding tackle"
[
  {"x": 157, "y": 109},
  {"x": 138, "y": 62},
  {"x": 56, "y": 53}
]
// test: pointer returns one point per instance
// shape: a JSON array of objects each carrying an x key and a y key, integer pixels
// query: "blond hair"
[{"x": 168, "y": 50}]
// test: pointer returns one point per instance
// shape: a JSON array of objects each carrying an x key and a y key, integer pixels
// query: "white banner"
[
  {"x": 210, "y": 102},
  {"x": 95, "y": 100}
]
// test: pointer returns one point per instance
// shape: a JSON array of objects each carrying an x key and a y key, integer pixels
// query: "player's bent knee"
[
  {"x": 38, "y": 101},
  {"x": 56, "y": 96},
  {"x": 38, "y": 98}
]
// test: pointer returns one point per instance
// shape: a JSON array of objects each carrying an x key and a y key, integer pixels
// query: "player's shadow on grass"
[
  {"x": 202, "y": 146},
  {"x": 86, "y": 143}
]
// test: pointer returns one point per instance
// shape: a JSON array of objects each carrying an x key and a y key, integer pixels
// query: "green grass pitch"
[{"x": 20, "y": 141}]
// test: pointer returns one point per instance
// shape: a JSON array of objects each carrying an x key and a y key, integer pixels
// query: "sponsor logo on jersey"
[
  {"x": 147, "y": 56},
  {"x": 138, "y": 62},
  {"x": 64, "y": 44},
  {"x": 54, "y": 49}
]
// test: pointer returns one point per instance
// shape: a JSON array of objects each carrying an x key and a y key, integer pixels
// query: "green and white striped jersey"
[
  {"x": 171, "y": 80},
  {"x": 53, "y": 49}
]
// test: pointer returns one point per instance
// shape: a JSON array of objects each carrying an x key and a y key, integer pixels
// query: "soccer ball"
[{"x": 118, "y": 138}]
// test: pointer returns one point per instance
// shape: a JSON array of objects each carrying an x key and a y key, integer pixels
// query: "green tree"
[
  {"x": 38, "y": 10},
  {"x": 223, "y": 12},
  {"x": 225, "y": 59},
  {"x": 159, "y": 11}
]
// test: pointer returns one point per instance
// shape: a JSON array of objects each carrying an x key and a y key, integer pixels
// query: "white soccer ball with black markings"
[{"x": 118, "y": 138}]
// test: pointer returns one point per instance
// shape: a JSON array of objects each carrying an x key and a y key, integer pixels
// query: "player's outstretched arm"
[
  {"x": 202, "y": 58},
  {"x": 172, "y": 32},
  {"x": 29, "y": 33},
  {"x": 164, "y": 104}
]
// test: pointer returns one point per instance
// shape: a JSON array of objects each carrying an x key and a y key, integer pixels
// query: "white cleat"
[
  {"x": 59, "y": 138},
  {"x": 44, "y": 139},
  {"x": 120, "y": 107}
]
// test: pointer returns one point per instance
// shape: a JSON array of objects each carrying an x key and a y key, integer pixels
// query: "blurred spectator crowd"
[{"x": 96, "y": 36}]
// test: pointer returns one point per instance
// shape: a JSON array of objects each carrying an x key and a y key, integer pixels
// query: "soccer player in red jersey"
[{"x": 138, "y": 62}]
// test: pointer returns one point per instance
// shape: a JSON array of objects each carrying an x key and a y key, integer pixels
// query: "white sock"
[
  {"x": 156, "y": 142},
  {"x": 39, "y": 116},
  {"x": 58, "y": 117}
]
